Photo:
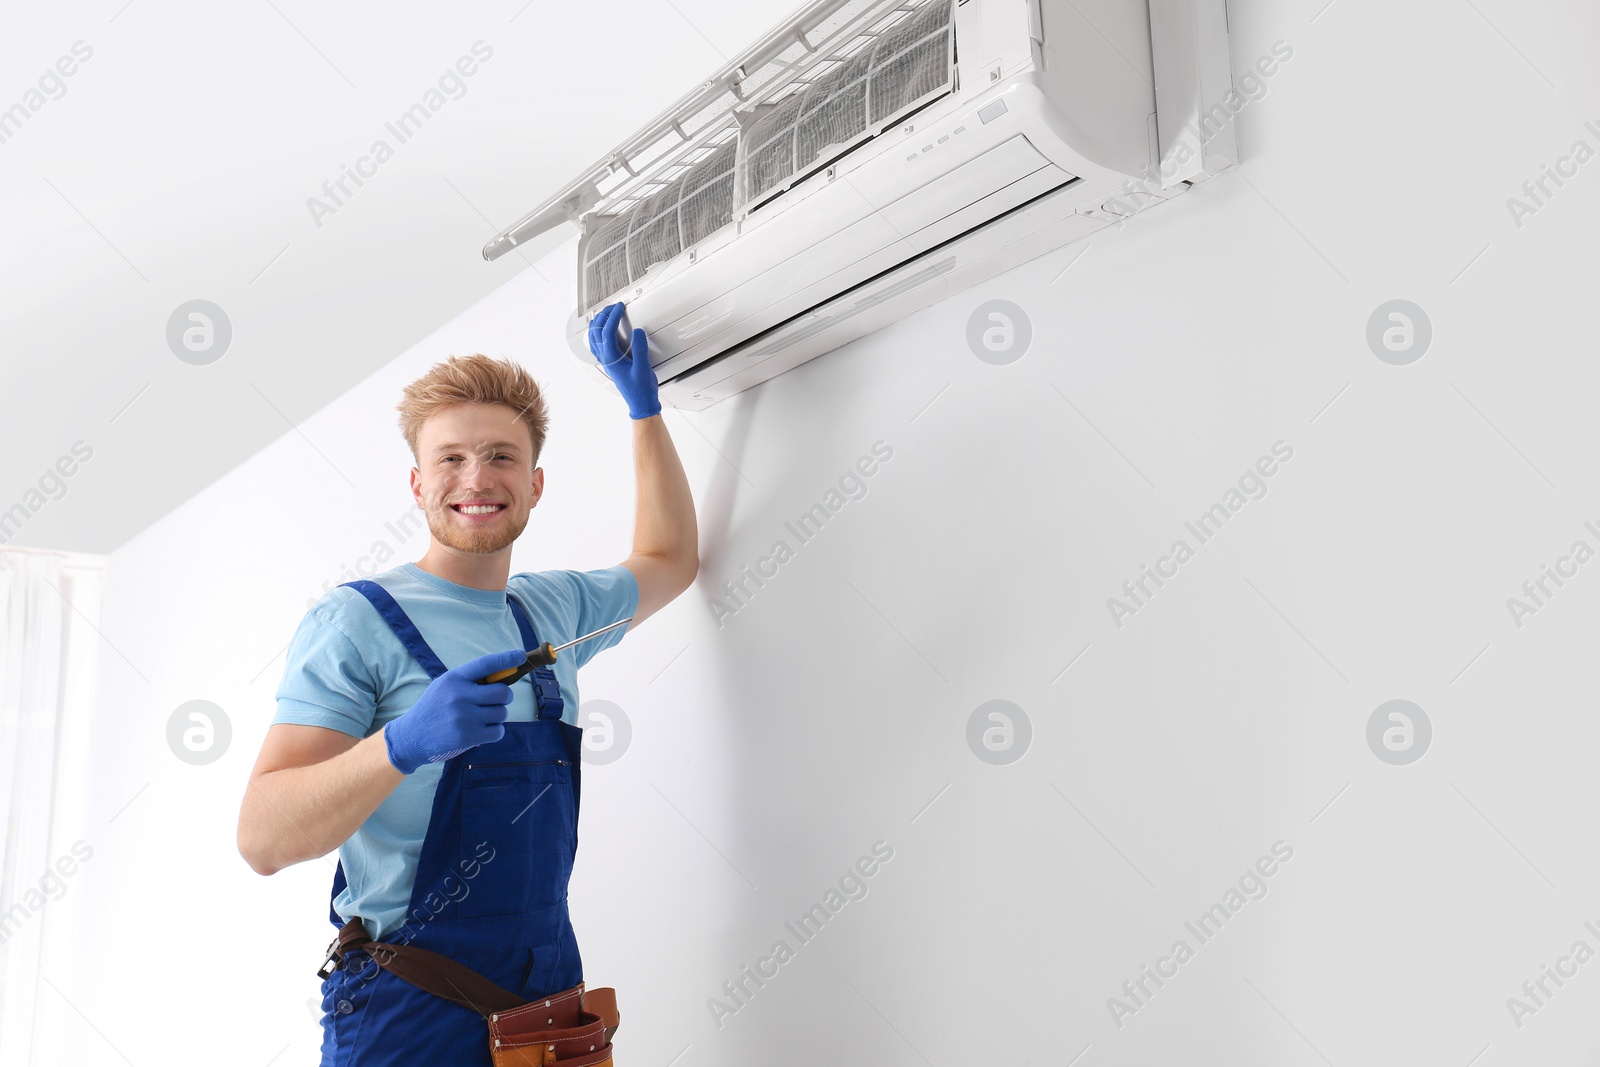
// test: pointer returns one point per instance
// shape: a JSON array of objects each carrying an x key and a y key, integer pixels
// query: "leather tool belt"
[{"x": 571, "y": 1028}]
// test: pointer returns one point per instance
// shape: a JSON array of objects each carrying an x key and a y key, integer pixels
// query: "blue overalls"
[{"x": 491, "y": 885}]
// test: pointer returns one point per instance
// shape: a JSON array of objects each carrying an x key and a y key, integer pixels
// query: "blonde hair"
[{"x": 474, "y": 379}]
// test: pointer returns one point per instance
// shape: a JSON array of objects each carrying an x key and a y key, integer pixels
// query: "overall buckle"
[
  {"x": 548, "y": 703},
  {"x": 333, "y": 956}
]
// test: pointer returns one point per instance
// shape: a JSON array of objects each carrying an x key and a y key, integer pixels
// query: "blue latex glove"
[
  {"x": 631, "y": 370},
  {"x": 453, "y": 714}
]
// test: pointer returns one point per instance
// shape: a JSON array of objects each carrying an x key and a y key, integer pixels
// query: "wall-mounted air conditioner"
[{"x": 870, "y": 157}]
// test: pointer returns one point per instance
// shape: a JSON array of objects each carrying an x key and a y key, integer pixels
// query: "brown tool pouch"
[{"x": 571, "y": 1028}]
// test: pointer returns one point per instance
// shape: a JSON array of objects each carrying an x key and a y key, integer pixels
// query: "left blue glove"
[{"x": 631, "y": 371}]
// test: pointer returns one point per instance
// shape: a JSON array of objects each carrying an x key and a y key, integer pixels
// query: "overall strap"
[
  {"x": 338, "y": 887},
  {"x": 548, "y": 703},
  {"x": 406, "y": 630},
  {"x": 400, "y": 623}
]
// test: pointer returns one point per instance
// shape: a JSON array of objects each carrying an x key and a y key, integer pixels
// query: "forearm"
[
  {"x": 300, "y": 813},
  {"x": 665, "y": 523}
]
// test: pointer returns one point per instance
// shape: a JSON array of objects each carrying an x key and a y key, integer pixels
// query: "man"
[{"x": 454, "y": 804}]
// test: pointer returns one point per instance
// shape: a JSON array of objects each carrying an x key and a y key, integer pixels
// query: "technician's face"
[{"x": 475, "y": 480}]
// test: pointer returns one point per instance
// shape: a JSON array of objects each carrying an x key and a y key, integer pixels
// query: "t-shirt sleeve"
[
  {"x": 326, "y": 682},
  {"x": 599, "y": 598}
]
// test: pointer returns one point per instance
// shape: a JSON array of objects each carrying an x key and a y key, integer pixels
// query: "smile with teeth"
[{"x": 478, "y": 509}]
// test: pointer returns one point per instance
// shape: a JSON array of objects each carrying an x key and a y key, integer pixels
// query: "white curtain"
[{"x": 49, "y": 608}]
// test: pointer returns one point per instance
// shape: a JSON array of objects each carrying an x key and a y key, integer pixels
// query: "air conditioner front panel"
[
  {"x": 1023, "y": 234},
  {"x": 739, "y": 369},
  {"x": 968, "y": 185},
  {"x": 765, "y": 282},
  {"x": 1044, "y": 180},
  {"x": 983, "y": 188}
]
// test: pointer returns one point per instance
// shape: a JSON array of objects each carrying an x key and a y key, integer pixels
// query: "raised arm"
[{"x": 666, "y": 539}]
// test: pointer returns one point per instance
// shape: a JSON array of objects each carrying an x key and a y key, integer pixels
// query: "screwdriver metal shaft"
[{"x": 543, "y": 656}]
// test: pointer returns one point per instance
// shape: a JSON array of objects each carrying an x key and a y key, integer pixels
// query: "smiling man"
[{"x": 454, "y": 804}]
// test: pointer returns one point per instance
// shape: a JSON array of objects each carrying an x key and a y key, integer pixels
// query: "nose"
[{"x": 474, "y": 471}]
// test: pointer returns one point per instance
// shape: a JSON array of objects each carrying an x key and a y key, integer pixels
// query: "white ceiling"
[{"x": 177, "y": 162}]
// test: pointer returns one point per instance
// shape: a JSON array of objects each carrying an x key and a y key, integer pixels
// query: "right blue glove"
[
  {"x": 630, "y": 371},
  {"x": 453, "y": 714}
]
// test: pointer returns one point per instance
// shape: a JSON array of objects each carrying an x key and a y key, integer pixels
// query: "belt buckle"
[{"x": 333, "y": 953}]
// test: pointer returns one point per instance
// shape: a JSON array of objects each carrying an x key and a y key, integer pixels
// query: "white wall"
[{"x": 831, "y": 711}]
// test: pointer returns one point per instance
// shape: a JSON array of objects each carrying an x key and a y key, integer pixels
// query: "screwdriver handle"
[{"x": 542, "y": 656}]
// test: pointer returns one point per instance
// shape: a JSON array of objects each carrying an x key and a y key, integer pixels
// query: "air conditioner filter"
[{"x": 856, "y": 92}]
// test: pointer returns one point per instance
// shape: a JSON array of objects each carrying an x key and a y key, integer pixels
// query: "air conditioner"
[{"x": 870, "y": 157}]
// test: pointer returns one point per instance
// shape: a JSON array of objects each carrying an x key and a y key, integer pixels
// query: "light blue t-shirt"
[{"x": 347, "y": 671}]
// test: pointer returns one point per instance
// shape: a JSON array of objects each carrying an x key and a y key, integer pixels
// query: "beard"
[{"x": 448, "y": 529}]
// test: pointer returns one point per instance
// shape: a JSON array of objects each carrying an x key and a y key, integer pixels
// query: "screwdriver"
[{"x": 543, "y": 656}]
